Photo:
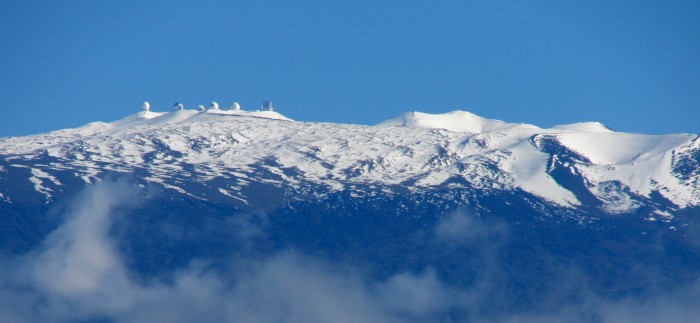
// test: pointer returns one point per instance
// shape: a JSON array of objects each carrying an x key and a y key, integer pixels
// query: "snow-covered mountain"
[
  {"x": 229, "y": 156},
  {"x": 433, "y": 218}
]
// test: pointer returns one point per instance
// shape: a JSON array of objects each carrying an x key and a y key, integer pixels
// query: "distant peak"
[
  {"x": 591, "y": 126},
  {"x": 457, "y": 121}
]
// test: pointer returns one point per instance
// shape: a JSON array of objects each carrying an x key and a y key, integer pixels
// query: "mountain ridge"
[{"x": 566, "y": 164}]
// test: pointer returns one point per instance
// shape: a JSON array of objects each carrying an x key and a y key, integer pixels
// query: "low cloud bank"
[{"x": 77, "y": 274}]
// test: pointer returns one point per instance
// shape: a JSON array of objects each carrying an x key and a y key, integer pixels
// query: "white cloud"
[
  {"x": 463, "y": 227},
  {"x": 417, "y": 296},
  {"x": 78, "y": 274}
]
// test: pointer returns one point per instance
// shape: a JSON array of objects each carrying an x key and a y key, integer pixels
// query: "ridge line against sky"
[{"x": 631, "y": 65}]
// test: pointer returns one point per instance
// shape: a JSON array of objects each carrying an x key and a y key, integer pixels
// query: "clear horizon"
[{"x": 630, "y": 65}]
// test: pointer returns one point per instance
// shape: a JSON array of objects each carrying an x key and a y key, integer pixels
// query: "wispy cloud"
[
  {"x": 463, "y": 227},
  {"x": 79, "y": 274}
]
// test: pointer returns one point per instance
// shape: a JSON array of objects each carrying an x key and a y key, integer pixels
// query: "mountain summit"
[{"x": 458, "y": 121}]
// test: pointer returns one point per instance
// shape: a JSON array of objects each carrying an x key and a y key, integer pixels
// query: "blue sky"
[{"x": 633, "y": 65}]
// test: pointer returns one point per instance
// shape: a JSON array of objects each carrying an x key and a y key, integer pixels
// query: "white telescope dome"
[
  {"x": 214, "y": 105},
  {"x": 235, "y": 106},
  {"x": 145, "y": 106},
  {"x": 201, "y": 108}
]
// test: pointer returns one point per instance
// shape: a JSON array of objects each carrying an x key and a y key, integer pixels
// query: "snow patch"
[
  {"x": 529, "y": 168},
  {"x": 665, "y": 215},
  {"x": 37, "y": 179},
  {"x": 227, "y": 193}
]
